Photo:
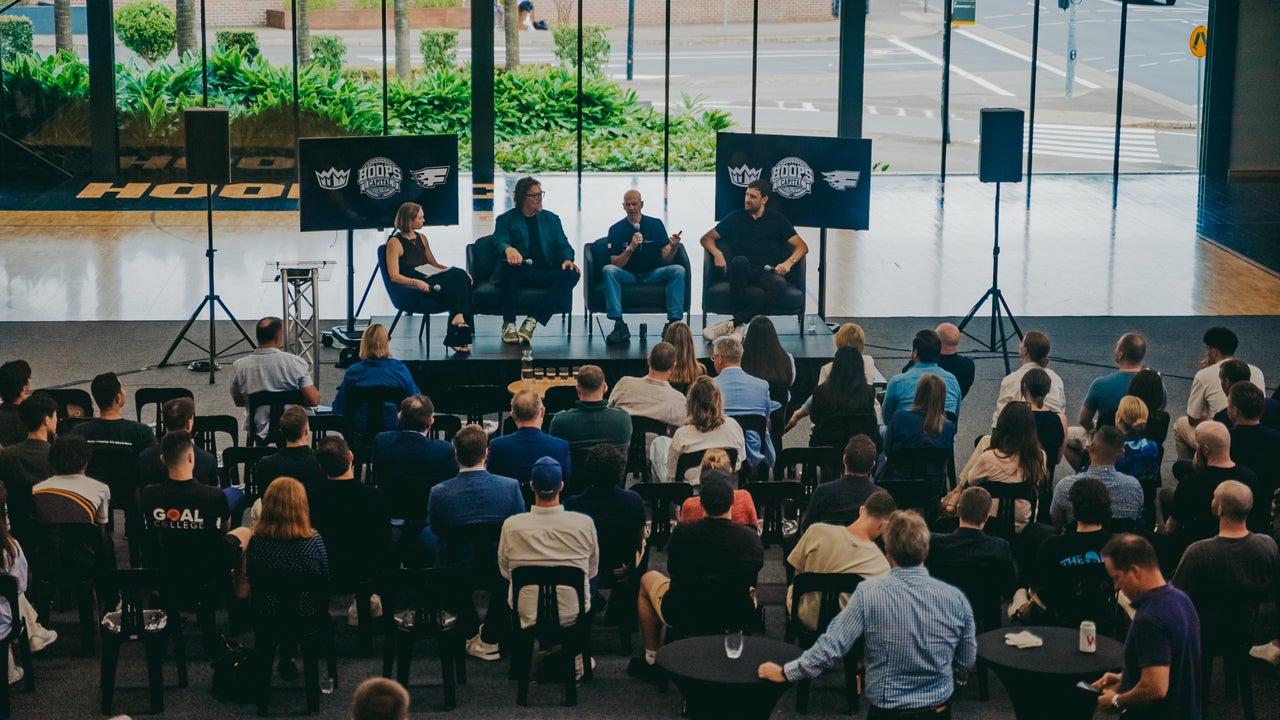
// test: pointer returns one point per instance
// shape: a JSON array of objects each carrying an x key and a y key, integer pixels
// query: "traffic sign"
[{"x": 1199, "y": 41}]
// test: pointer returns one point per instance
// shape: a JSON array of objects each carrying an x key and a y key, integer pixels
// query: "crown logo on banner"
[
  {"x": 743, "y": 176},
  {"x": 333, "y": 178}
]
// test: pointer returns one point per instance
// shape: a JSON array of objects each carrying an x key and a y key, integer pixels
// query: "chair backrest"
[
  {"x": 548, "y": 579},
  {"x": 117, "y": 466},
  {"x": 919, "y": 495},
  {"x": 693, "y": 459},
  {"x": 373, "y": 399},
  {"x": 285, "y": 600},
  {"x": 206, "y": 428},
  {"x": 72, "y": 402},
  {"x": 433, "y": 594},
  {"x": 67, "y": 552},
  {"x": 444, "y": 427},
  {"x": 157, "y": 397},
  {"x": 637, "y": 457},
  {"x": 712, "y": 605},
  {"x": 578, "y": 479},
  {"x": 277, "y": 402},
  {"x": 9, "y": 594},
  {"x": 474, "y": 401},
  {"x": 619, "y": 544},
  {"x": 382, "y": 268},
  {"x": 66, "y": 424},
  {"x": 661, "y": 497},
  {"x": 837, "y": 429},
  {"x": 470, "y": 549},
  {"x": 758, "y": 424},
  {"x": 1157, "y": 428},
  {"x": 238, "y": 465},
  {"x": 1006, "y": 496},
  {"x": 482, "y": 258},
  {"x": 812, "y": 466},
  {"x": 560, "y": 398},
  {"x": 772, "y": 499},
  {"x": 830, "y": 588},
  {"x": 322, "y": 425},
  {"x": 932, "y": 464}
]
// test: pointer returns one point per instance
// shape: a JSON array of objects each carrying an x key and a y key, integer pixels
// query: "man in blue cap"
[{"x": 549, "y": 535}]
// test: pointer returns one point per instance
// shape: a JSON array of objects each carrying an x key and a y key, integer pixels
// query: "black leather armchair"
[
  {"x": 716, "y": 297},
  {"x": 637, "y": 298},
  {"x": 486, "y": 297}
]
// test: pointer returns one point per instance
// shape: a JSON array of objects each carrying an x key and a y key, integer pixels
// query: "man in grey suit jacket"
[{"x": 537, "y": 254}]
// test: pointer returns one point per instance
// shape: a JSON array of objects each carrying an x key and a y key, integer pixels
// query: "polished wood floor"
[{"x": 1068, "y": 254}]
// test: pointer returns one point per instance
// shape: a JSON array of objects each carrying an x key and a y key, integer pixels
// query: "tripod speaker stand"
[
  {"x": 999, "y": 160},
  {"x": 208, "y": 162}
]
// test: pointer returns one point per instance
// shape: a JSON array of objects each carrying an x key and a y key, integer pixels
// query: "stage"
[{"x": 493, "y": 362}]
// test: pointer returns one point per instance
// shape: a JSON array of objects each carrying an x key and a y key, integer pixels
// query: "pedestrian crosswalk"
[{"x": 1137, "y": 145}]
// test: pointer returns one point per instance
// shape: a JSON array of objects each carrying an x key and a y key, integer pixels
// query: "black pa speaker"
[
  {"x": 1000, "y": 151},
  {"x": 208, "y": 146}
]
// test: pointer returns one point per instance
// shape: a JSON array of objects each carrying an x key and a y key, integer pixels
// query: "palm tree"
[
  {"x": 303, "y": 48},
  {"x": 62, "y": 26},
  {"x": 403, "y": 69},
  {"x": 188, "y": 19},
  {"x": 511, "y": 31}
]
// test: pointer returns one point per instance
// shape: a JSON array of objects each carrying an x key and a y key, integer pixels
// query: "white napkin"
[{"x": 1023, "y": 640}]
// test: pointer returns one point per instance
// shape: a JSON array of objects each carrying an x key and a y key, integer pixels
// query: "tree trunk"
[
  {"x": 403, "y": 68},
  {"x": 188, "y": 13},
  {"x": 62, "y": 26},
  {"x": 511, "y": 26},
  {"x": 303, "y": 48}
]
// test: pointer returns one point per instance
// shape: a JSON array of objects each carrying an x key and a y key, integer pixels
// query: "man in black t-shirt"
[
  {"x": 187, "y": 520},
  {"x": 535, "y": 253},
  {"x": 640, "y": 252},
  {"x": 178, "y": 414},
  {"x": 765, "y": 247},
  {"x": 1191, "y": 517},
  {"x": 350, "y": 516},
  {"x": 1069, "y": 577},
  {"x": 296, "y": 459}
]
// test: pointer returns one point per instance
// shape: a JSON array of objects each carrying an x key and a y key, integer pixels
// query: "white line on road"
[
  {"x": 1020, "y": 56},
  {"x": 962, "y": 73}
]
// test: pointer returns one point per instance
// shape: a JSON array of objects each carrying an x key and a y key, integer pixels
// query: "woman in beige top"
[
  {"x": 1013, "y": 456},
  {"x": 707, "y": 428}
]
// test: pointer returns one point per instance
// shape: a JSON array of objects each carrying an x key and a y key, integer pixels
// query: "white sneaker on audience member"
[
  {"x": 720, "y": 329},
  {"x": 42, "y": 639},
  {"x": 1267, "y": 653},
  {"x": 478, "y": 648}
]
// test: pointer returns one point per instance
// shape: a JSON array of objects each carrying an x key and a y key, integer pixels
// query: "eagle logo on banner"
[
  {"x": 792, "y": 178},
  {"x": 429, "y": 177},
  {"x": 333, "y": 178},
  {"x": 842, "y": 179},
  {"x": 743, "y": 176}
]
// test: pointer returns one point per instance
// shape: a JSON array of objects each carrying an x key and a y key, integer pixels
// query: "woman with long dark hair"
[
  {"x": 925, "y": 424},
  {"x": 764, "y": 357},
  {"x": 1013, "y": 456},
  {"x": 844, "y": 394},
  {"x": 407, "y": 253}
]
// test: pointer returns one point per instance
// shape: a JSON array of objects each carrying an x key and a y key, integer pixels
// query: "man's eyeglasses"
[{"x": 536, "y": 196}]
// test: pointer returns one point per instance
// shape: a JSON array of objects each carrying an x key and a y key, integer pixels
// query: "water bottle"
[
  {"x": 810, "y": 324},
  {"x": 526, "y": 365},
  {"x": 326, "y": 682}
]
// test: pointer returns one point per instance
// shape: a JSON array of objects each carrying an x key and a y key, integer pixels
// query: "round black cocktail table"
[
  {"x": 715, "y": 686},
  {"x": 1042, "y": 680}
]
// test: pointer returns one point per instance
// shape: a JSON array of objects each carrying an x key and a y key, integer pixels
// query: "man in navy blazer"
[
  {"x": 640, "y": 252},
  {"x": 408, "y": 464},
  {"x": 537, "y": 254},
  {"x": 513, "y": 455}
]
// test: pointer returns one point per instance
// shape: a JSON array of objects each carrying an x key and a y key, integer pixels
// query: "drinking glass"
[
  {"x": 563, "y": 373},
  {"x": 539, "y": 374},
  {"x": 733, "y": 644}
]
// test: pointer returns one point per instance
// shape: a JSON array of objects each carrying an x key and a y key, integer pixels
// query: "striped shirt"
[
  {"x": 72, "y": 499},
  {"x": 917, "y": 630}
]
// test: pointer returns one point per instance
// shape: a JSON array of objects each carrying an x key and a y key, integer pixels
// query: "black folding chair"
[
  {"x": 574, "y": 639},
  {"x": 830, "y": 588},
  {"x": 156, "y": 397}
]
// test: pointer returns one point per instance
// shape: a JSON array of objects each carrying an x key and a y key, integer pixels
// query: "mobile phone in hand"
[{"x": 1088, "y": 687}]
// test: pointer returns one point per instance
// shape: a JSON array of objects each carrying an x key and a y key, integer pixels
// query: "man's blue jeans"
[{"x": 615, "y": 277}]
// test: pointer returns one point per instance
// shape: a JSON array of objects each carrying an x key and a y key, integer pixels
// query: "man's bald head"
[
  {"x": 1214, "y": 439},
  {"x": 632, "y": 204},
  {"x": 950, "y": 336},
  {"x": 1233, "y": 500}
]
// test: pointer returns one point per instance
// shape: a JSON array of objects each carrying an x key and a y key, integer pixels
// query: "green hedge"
[
  {"x": 328, "y": 51},
  {"x": 595, "y": 46},
  {"x": 439, "y": 48},
  {"x": 147, "y": 28},
  {"x": 246, "y": 40},
  {"x": 15, "y": 36}
]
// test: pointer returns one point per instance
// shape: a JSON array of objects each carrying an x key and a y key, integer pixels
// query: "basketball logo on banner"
[
  {"x": 792, "y": 178},
  {"x": 333, "y": 178},
  {"x": 380, "y": 178}
]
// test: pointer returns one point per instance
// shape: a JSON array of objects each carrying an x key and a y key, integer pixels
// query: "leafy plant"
[
  {"x": 15, "y": 36},
  {"x": 439, "y": 48},
  {"x": 437, "y": 3},
  {"x": 328, "y": 51},
  {"x": 595, "y": 47},
  {"x": 148, "y": 29},
  {"x": 245, "y": 40},
  {"x": 314, "y": 5}
]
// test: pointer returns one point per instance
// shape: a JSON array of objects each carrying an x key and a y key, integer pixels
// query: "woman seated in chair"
[
  {"x": 376, "y": 369},
  {"x": 744, "y": 507},
  {"x": 1011, "y": 454},
  {"x": 707, "y": 427},
  {"x": 851, "y": 335},
  {"x": 13, "y": 562},
  {"x": 844, "y": 393},
  {"x": 764, "y": 357},
  {"x": 283, "y": 541},
  {"x": 922, "y": 426},
  {"x": 447, "y": 287},
  {"x": 1141, "y": 458},
  {"x": 687, "y": 368},
  {"x": 1051, "y": 427}
]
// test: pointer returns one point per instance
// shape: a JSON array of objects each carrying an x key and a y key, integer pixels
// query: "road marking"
[
  {"x": 1137, "y": 145},
  {"x": 871, "y": 110},
  {"x": 928, "y": 114},
  {"x": 962, "y": 73},
  {"x": 1025, "y": 58}
]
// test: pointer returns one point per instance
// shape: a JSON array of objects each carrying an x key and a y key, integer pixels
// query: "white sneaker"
[
  {"x": 15, "y": 674},
  {"x": 43, "y": 640},
  {"x": 720, "y": 329},
  {"x": 577, "y": 666},
  {"x": 478, "y": 648},
  {"x": 1268, "y": 653},
  {"x": 739, "y": 333},
  {"x": 353, "y": 612}
]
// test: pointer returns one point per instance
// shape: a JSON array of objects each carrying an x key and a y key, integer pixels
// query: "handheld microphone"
[
  {"x": 435, "y": 288},
  {"x": 528, "y": 261},
  {"x": 768, "y": 268}
]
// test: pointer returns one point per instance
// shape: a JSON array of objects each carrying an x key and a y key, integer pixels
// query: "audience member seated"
[
  {"x": 178, "y": 414},
  {"x": 901, "y": 391},
  {"x": 296, "y": 459},
  {"x": 27, "y": 462},
  {"x": 1207, "y": 397},
  {"x": 548, "y": 535},
  {"x": 513, "y": 455},
  {"x": 652, "y": 396},
  {"x": 712, "y": 548},
  {"x": 110, "y": 429},
  {"x": 474, "y": 497},
  {"x": 848, "y": 550},
  {"x": 1034, "y": 351},
  {"x": 1230, "y": 373},
  {"x": 715, "y": 463},
  {"x": 380, "y": 699},
  {"x": 764, "y": 357},
  {"x": 1102, "y": 400},
  {"x": 744, "y": 394},
  {"x": 1013, "y": 456},
  {"x": 1051, "y": 426},
  {"x": 951, "y": 360},
  {"x": 618, "y": 513},
  {"x": 350, "y": 516},
  {"x": 1125, "y": 491},
  {"x": 591, "y": 421},
  {"x": 1069, "y": 581},
  {"x": 1190, "y": 515},
  {"x": 284, "y": 541},
  {"x": 13, "y": 562},
  {"x": 924, "y": 425},
  {"x": 1254, "y": 446},
  {"x": 1227, "y": 576},
  {"x": 15, "y": 385},
  {"x": 970, "y": 559},
  {"x": 376, "y": 369},
  {"x": 836, "y": 502},
  {"x": 707, "y": 428},
  {"x": 686, "y": 368},
  {"x": 70, "y": 496},
  {"x": 270, "y": 369},
  {"x": 851, "y": 335},
  {"x": 407, "y": 463},
  {"x": 1141, "y": 458},
  {"x": 843, "y": 394}
]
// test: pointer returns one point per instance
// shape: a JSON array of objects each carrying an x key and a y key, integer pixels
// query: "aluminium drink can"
[{"x": 1088, "y": 636}]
